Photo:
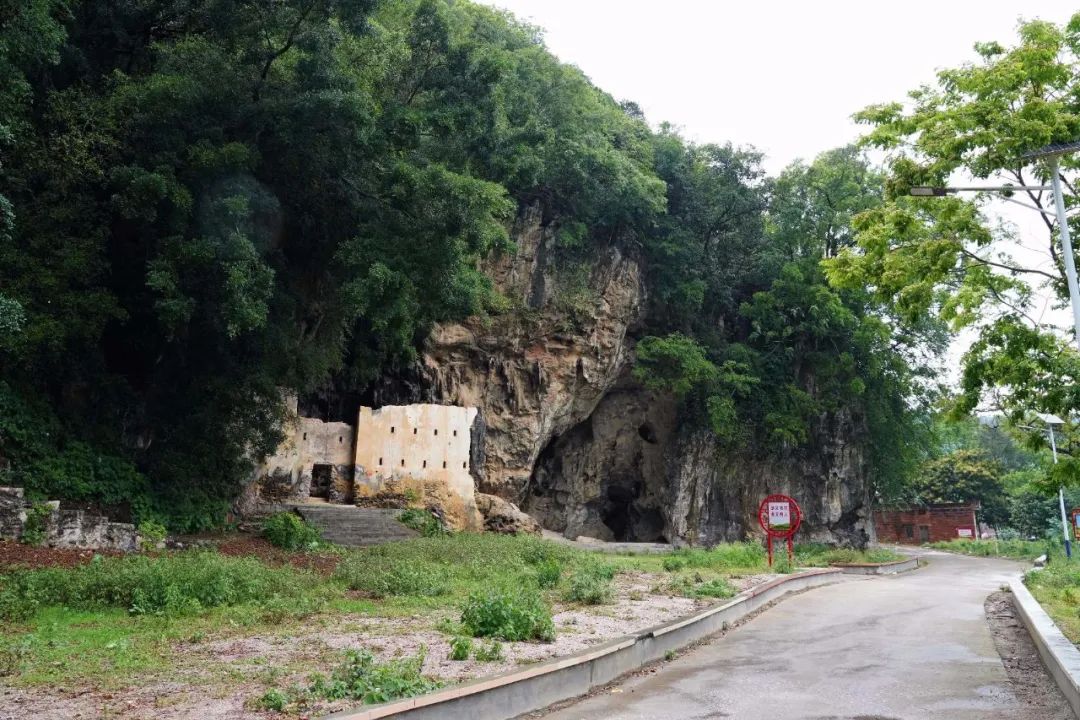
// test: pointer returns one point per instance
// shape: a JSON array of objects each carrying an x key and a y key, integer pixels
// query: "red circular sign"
[{"x": 779, "y": 516}]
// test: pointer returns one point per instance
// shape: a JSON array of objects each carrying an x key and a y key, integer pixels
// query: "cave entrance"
[
  {"x": 615, "y": 512},
  {"x": 320, "y": 480}
]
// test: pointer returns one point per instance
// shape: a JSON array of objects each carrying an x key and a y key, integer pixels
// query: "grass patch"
[
  {"x": 591, "y": 585},
  {"x": 179, "y": 584},
  {"x": 1018, "y": 549},
  {"x": 821, "y": 555},
  {"x": 423, "y": 522},
  {"x": 1057, "y": 588},
  {"x": 122, "y": 622}
]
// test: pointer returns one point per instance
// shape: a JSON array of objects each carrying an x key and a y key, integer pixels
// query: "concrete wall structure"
[
  {"x": 418, "y": 453},
  {"x": 931, "y": 523},
  {"x": 309, "y": 443},
  {"x": 424, "y": 449}
]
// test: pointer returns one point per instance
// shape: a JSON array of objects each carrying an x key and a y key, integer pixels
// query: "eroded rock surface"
[
  {"x": 541, "y": 369},
  {"x": 503, "y": 516},
  {"x": 578, "y": 444}
]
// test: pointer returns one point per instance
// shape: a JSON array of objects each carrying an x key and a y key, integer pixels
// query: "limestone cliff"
[
  {"x": 567, "y": 434},
  {"x": 540, "y": 369}
]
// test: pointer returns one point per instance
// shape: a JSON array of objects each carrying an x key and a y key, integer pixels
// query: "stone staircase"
[{"x": 352, "y": 526}]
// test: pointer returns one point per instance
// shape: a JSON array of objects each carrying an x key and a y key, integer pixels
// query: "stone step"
[{"x": 352, "y": 526}]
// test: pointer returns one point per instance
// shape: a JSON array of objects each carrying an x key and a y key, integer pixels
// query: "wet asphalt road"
[{"x": 914, "y": 646}]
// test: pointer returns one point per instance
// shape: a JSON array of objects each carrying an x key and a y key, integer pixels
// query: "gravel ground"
[
  {"x": 1030, "y": 681},
  {"x": 218, "y": 679}
]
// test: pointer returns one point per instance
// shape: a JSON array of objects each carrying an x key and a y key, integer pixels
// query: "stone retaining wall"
[{"x": 64, "y": 528}]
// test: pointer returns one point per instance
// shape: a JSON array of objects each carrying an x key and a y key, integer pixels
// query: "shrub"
[
  {"x": 360, "y": 677},
  {"x": 273, "y": 699},
  {"x": 172, "y": 585},
  {"x": 152, "y": 533},
  {"x": 376, "y": 575},
  {"x": 673, "y": 563},
  {"x": 33, "y": 532},
  {"x": 590, "y": 585},
  {"x": 548, "y": 573},
  {"x": 288, "y": 531},
  {"x": 423, "y": 522},
  {"x": 490, "y": 653},
  {"x": 460, "y": 648},
  {"x": 508, "y": 616}
]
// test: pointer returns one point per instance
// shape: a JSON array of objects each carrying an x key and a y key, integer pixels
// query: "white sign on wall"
[
  {"x": 779, "y": 515},
  {"x": 964, "y": 532}
]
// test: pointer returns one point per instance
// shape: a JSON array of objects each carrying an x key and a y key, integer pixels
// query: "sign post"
[{"x": 780, "y": 516}]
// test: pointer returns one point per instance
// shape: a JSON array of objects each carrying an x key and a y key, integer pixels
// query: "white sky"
[{"x": 782, "y": 75}]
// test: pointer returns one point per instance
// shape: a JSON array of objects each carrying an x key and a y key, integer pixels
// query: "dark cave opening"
[{"x": 615, "y": 512}]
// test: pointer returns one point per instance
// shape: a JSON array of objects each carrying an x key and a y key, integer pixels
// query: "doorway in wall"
[{"x": 320, "y": 480}]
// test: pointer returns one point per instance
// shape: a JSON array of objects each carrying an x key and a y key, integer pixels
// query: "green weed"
[
  {"x": 522, "y": 615},
  {"x": 591, "y": 585},
  {"x": 493, "y": 652},
  {"x": 288, "y": 531},
  {"x": 422, "y": 521},
  {"x": 460, "y": 648}
]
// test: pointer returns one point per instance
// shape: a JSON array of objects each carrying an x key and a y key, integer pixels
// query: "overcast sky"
[{"x": 782, "y": 75}]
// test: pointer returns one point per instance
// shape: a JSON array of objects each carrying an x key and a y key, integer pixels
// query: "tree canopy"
[{"x": 945, "y": 258}]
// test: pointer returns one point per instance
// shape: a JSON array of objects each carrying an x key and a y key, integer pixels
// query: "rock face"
[
  {"x": 714, "y": 496},
  {"x": 541, "y": 369},
  {"x": 502, "y": 516},
  {"x": 607, "y": 477},
  {"x": 572, "y": 439}
]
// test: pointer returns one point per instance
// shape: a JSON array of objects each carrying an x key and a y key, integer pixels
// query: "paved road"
[{"x": 915, "y": 646}]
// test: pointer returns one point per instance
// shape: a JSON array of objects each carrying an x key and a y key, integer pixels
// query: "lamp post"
[
  {"x": 1052, "y": 154},
  {"x": 1052, "y": 421}
]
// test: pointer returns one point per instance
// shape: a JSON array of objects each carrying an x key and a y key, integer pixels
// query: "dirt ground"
[
  {"x": 15, "y": 555},
  {"x": 1030, "y": 681},
  {"x": 219, "y": 679}
]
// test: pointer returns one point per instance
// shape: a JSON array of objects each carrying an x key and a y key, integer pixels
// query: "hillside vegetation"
[{"x": 205, "y": 202}]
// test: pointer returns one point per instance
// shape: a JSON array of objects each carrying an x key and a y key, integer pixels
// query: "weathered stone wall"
[
  {"x": 286, "y": 476},
  {"x": 425, "y": 449},
  {"x": 64, "y": 528}
]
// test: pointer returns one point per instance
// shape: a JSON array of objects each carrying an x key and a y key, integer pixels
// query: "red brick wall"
[{"x": 927, "y": 524}]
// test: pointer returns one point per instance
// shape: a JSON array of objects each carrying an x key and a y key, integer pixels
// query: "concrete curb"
[
  {"x": 889, "y": 568},
  {"x": 521, "y": 691},
  {"x": 1058, "y": 653}
]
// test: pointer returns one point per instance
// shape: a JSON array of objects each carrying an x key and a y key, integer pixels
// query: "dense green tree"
[
  {"x": 774, "y": 353},
  {"x": 965, "y": 476},
  {"x": 942, "y": 257}
]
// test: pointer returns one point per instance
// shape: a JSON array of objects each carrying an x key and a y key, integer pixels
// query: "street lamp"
[
  {"x": 1052, "y": 154},
  {"x": 1052, "y": 421}
]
